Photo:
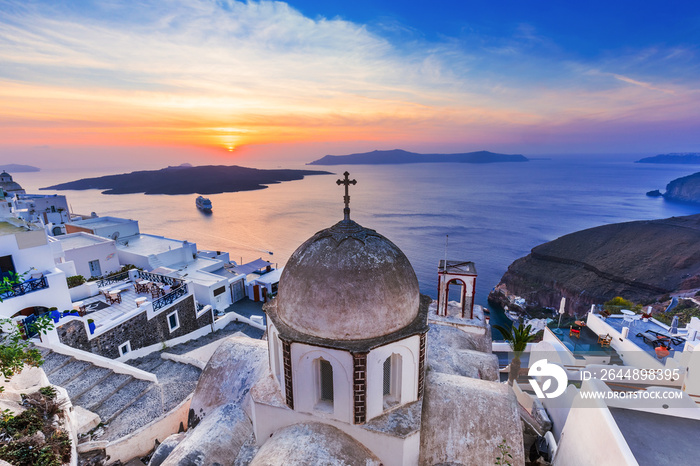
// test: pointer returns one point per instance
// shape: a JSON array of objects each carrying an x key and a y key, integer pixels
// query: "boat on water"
[{"x": 204, "y": 204}]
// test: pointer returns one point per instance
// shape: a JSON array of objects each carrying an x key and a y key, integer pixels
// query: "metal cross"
[{"x": 347, "y": 182}]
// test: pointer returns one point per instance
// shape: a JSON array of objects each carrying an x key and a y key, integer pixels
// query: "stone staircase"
[{"x": 124, "y": 403}]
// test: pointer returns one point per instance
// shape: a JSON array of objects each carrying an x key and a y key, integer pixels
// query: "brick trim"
[
  {"x": 359, "y": 385},
  {"x": 287, "y": 361},
  {"x": 421, "y": 366}
]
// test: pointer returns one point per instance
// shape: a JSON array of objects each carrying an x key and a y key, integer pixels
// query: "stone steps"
[
  {"x": 53, "y": 362},
  {"x": 143, "y": 410},
  {"x": 122, "y": 399},
  {"x": 87, "y": 380},
  {"x": 69, "y": 372},
  {"x": 123, "y": 402}
]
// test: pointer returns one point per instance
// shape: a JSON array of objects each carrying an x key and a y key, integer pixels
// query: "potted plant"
[{"x": 91, "y": 326}]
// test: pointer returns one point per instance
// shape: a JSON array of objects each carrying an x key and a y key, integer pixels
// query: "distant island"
[
  {"x": 687, "y": 158},
  {"x": 398, "y": 156},
  {"x": 183, "y": 179},
  {"x": 16, "y": 168}
]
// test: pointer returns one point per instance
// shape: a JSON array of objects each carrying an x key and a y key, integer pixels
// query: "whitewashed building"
[
  {"x": 25, "y": 250},
  {"x": 51, "y": 210},
  {"x": 107, "y": 227},
  {"x": 347, "y": 358},
  {"x": 91, "y": 255}
]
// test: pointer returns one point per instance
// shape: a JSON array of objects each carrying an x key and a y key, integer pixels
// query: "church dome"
[
  {"x": 7, "y": 184},
  {"x": 348, "y": 282}
]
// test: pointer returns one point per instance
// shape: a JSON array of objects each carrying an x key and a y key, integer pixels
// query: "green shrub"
[
  {"x": 75, "y": 280},
  {"x": 48, "y": 392}
]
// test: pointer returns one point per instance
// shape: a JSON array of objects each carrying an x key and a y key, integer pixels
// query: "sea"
[{"x": 490, "y": 214}]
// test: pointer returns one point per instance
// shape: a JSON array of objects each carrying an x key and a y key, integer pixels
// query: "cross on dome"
[{"x": 347, "y": 182}]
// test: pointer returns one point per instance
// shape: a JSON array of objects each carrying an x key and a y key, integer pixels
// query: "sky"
[{"x": 151, "y": 83}]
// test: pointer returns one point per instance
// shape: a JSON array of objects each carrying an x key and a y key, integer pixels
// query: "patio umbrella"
[
  {"x": 674, "y": 326},
  {"x": 561, "y": 310}
]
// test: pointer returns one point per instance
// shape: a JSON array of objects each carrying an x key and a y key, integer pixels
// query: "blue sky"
[{"x": 221, "y": 78}]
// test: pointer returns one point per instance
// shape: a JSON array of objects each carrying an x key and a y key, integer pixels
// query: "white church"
[{"x": 358, "y": 368}]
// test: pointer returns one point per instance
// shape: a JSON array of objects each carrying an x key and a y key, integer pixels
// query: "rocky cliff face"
[
  {"x": 685, "y": 189},
  {"x": 639, "y": 261}
]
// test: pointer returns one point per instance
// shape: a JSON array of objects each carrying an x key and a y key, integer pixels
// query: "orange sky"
[{"x": 265, "y": 77}]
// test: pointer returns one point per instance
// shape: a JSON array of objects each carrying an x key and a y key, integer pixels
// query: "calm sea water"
[{"x": 493, "y": 213}]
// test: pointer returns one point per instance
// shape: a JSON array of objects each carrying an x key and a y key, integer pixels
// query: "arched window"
[
  {"x": 324, "y": 385},
  {"x": 326, "y": 380},
  {"x": 391, "y": 389}
]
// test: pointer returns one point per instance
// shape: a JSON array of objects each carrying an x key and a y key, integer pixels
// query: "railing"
[
  {"x": 170, "y": 297},
  {"x": 19, "y": 289},
  {"x": 120, "y": 277},
  {"x": 154, "y": 277},
  {"x": 28, "y": 323}
]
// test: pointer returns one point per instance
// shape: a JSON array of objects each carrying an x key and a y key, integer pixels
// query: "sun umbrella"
[{"x": 674, "y": 326}]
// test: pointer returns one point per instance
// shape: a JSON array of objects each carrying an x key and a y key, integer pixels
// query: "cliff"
[
  {"x": 685, "y": 189},
  {"x": 183, "y": 179},
  {"x": 398, "y": 156},
  {"x": 640, "y": 261}
]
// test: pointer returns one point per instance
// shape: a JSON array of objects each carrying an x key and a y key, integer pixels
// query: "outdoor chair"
[
  {"x": 114, "y": 298},
  {"x": 604, "y": 340},
  {"x": 576, "y": 332},
  {"x": 155, "y": 292}
]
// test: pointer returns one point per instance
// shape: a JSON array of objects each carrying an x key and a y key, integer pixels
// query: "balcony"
[{"x": 20, "y": 289}]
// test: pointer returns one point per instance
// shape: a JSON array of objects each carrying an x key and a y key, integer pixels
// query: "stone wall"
[{"x": 138, "y": 331}]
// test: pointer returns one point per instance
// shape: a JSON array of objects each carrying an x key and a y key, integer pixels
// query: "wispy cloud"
[{"x": 228, "y": 73}]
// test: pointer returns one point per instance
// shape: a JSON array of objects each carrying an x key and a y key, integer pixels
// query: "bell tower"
[{"x": 457, "y": 273}]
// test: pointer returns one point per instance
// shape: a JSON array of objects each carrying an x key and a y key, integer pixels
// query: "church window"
[
  {"x": 391, "y": 389},
  {"x": 387, "y": 376},
  {"x": 326, "y": 376}
]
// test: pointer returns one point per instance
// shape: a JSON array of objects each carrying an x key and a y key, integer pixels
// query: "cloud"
[{"x": 226, "y": 73}]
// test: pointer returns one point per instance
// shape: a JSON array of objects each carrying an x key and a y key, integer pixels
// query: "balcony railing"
[
  {"x": 120, "y": 277},
  {"x": 156, "y": 278},
  {"x": 19, "y": 289},
  {"x": 170, "y": 297}
]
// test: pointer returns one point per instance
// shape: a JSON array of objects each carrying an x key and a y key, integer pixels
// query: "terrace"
[
  {"x": 639, "y": 327},
  {"x": 124, "y": 293},
  {"x": 586, "y": 344}
]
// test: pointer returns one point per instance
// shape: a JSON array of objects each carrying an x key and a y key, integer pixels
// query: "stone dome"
[{"x": 348, "y": 283}]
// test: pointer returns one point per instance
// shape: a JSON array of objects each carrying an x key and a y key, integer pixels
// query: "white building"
[
  {"x": 25, "y": 250},
  {"x": 51, "y": 210},
  {"x": 261, "y": 279},
  {"x": 107, "y": 227},
  {"x": 211, "y": 279},
  {"x": 91, "y": 255},
  {"x": 149, "y": 252}
]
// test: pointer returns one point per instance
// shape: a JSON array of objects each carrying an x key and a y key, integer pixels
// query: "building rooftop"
[
  {"x": 457, "y": 267},
  {"x": 195, "y": 271},
  {"x": 659, "y": 439},
  {"x": 80, "y": 240},
  {"x": 638, "y": 327},
  {"x": 145, "y": 244},
  {"x": 7, "y": 228},
  {"x": 101, "y": 222}
]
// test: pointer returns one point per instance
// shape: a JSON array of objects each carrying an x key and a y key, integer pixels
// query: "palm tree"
[{"x": 518, "y": 338}]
